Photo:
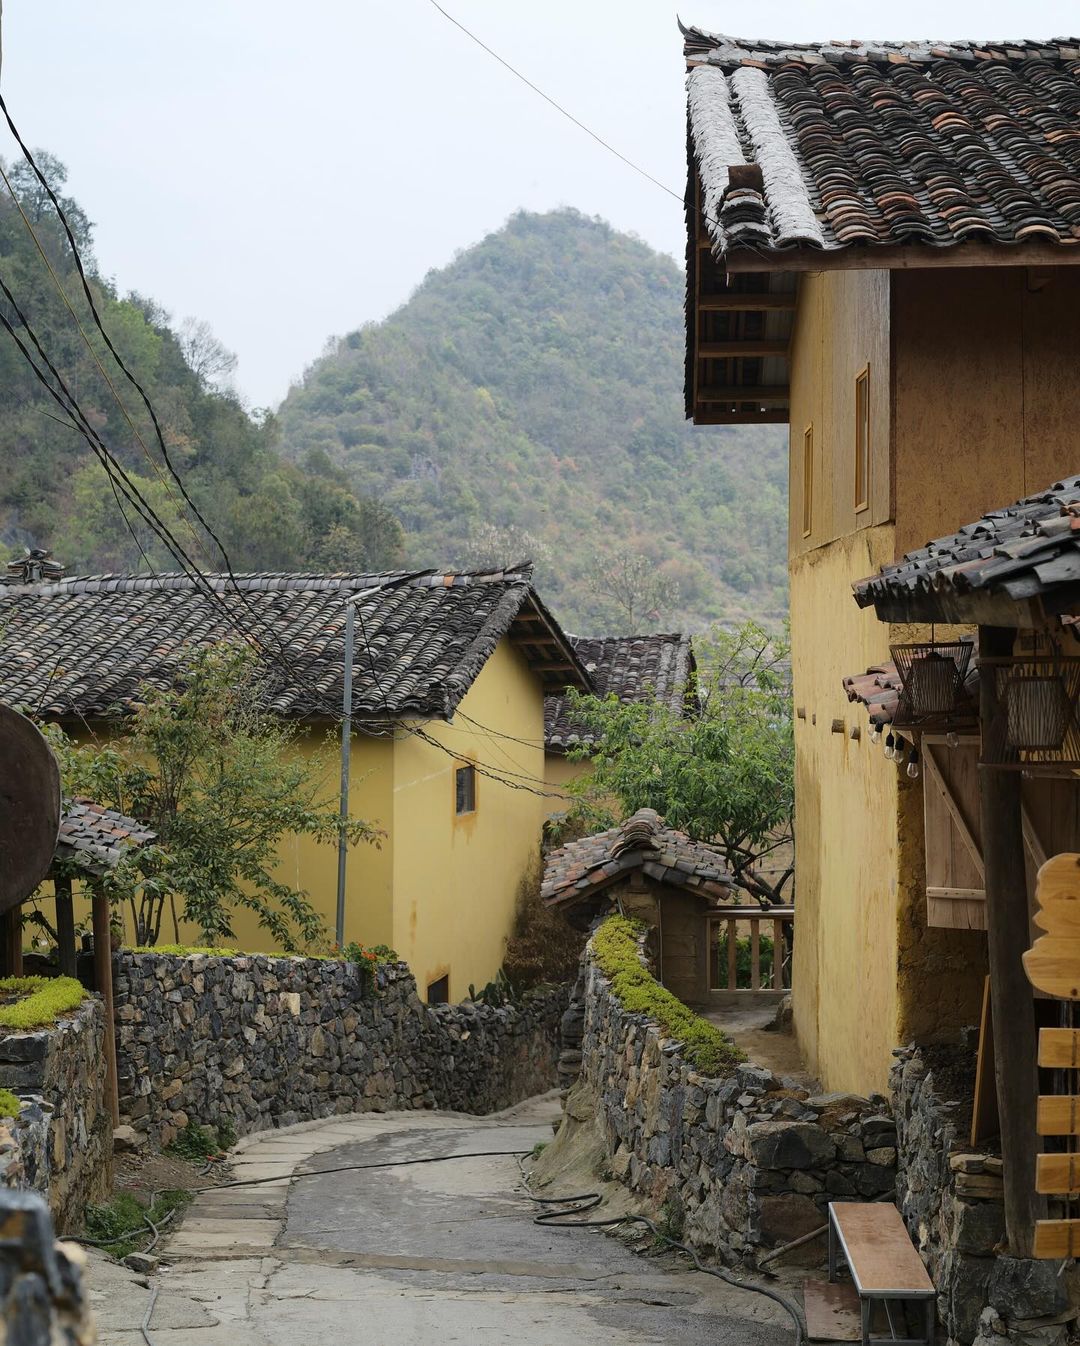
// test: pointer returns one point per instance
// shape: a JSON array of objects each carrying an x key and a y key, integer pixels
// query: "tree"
[
  {"x": 491, "y": 546},
  {"x": 206, "y": 356},
  {"x": 215, "y": 776},
  {"x": 632, "y": 581},
  {"x": 723, "y": 772}
]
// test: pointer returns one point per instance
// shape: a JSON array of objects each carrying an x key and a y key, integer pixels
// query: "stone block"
[
  {"x": 777, "y": 1144},
  {"x": 1023, "y": 1288}
]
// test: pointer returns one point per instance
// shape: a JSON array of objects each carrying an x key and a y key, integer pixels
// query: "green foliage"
[
  {"x": 705, "y": 1046},
  {"x": 743, "y": 958},
  {"x": 531, "y": 393},
  {"x": 10, "y": 1104},
  {"x": 199, "y": 1143},
  {"x": 120, "y": 1225},
  {"x": 367, "y": 959},
  {"x": 496, "y": 994},
  {"x": 187, "y": 950},
  {"x": 269, "y": 513},
  {"x": 45, "y": 999},
  {"x": 220, "y": 782},
  {"x": 723, "y": 773}
]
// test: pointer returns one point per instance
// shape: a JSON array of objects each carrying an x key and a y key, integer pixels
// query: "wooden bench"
[{"x": 883, "y": 1263}]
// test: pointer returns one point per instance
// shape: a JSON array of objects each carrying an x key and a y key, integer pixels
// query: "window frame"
[
  {"x": 808, "y": 481},
  {"x": 862, "y": 440},
  {"x": 443, "y": 983},
  {"x": 459, "y": 769}
]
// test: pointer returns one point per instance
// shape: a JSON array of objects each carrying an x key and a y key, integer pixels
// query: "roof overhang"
[
  {"x": 911, "y": 257},
  {"x": 547, "y": 648}
]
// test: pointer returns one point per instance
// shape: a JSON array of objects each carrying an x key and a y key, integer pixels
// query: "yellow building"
[
  {"x": 869, "y": 266},
  {"x": 449, "y": 678}
]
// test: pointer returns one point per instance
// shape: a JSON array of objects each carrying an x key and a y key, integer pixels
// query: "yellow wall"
[
  {"x": 456, "y": 879},
  {"x": 559, "y": 771}
]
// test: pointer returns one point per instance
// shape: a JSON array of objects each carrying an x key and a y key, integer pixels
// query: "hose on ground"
[{"x": 573, "y": 1207}]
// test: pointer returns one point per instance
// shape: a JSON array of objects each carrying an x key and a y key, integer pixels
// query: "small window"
[
  {"x": 808, "y": 481},
  {"x": 438, "y": 992},
  {"x": 465, "y": 790},
  {"x": 862, "y": 440}
]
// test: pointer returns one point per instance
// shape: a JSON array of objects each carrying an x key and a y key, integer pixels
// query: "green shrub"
[
  {"x": 120, "y": 1224},
  {"x": 706, "y": 1047},
  {"x": 44, "y": 1000},
  {"x": 743, "y": 960},
  {"x": 198, "y": 1143},
  {"x": 10, "y": 1104},
  {"x": 186, "y": 950}
]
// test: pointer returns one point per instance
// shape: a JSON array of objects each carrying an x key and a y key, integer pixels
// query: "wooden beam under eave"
[
  {"x": 741, "y": 417},
  {"x": 562, "y": 667},
  {"x": 726, "y": 350},
  {"x": 766, "y": 396},
  {"x": 906, "y": 257},
  {"x": 747, "y": 301}
]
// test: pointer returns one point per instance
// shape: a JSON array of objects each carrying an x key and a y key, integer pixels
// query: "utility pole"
[{"x": 346, "y": 753}]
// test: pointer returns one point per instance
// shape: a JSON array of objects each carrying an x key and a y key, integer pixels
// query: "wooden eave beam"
[
  {"x": 906, "y": 257},
  {"x": 741, "y": 417},
  {"x": 564, "y": 666},
  {"x": 766, "y": 396},
  {"x": 747, "y": 301},
  {"x": 727, "y": 350}
]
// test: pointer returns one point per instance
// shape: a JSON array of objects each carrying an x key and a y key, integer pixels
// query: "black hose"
[
  {"x": 358, "y": 1168},
  {"x": 580, "y": 1204}
]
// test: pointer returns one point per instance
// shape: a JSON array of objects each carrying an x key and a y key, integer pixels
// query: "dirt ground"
[
  {"x": 145, "y": 1174},
  {"x": 773, "y": 1048}
]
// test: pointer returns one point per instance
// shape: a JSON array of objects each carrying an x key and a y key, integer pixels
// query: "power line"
[{"x": 556, "y": 105}]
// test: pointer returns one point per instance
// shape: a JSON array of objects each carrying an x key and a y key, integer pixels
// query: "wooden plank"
[
  {"x": 958, "y": 893},
  {"x": 1057, "y": 1174},
  {"x": 984, "y": 1112},
  {"x": 1052, "y": 965},
  {"x": 1057, "y": 1238},
  {"x": 749, "y": 301},
  {"x": 103, "y": 978},
  {"x": 778, "y": 955},
  {"x": 767, "y": 395},
  {"x": 1059, "y": 1048},
  {"x": 740, "y": 417},
  {"x": 1058, "y": 1115},
  {"x": 755, "y": 955},
  {"x": 65, "y": 929},
  {"x": 902, "y": 258},
  {"x": 1031, "y": 838},
  {"x": 879, "y": 1250},
  {"x": 932, "y": 770},
  {"x": 728, "y": 350},
  {"x": 952, "y": 913},
  {"x": 732, "y": 967}
]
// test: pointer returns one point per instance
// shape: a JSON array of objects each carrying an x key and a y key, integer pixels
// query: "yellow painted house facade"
[
  {"x": 447, "y": 755},
  {"x": 925, "y": 377}
]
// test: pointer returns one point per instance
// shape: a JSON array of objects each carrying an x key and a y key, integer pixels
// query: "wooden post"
[
  {"x": 1012, "y": 1003},
  {"x": 11, "y": 940},
  {"x": 65, "y": 928},
  {"x": 103, "y": 979}
]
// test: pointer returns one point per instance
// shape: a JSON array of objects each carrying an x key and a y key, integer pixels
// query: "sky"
[{"x": 290, "y": 171}]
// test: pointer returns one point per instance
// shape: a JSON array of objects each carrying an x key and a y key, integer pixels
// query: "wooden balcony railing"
[{"x": 737, "y": 930}]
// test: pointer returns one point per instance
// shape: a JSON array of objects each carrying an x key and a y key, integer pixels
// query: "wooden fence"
[{"x": 735, "y": 930}]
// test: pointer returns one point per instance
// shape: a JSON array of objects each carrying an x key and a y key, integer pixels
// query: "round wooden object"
[
  {"x": 1052, "y": 963},
  {"x": 29, "y": 808}
]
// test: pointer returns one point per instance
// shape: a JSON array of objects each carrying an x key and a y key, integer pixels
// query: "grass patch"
[
  {"x": 187, "y": 950},
  {"x": 120, "y": 1224},
  {"x": 10, "y": 1104},
  {"x": 706, "y": 1047},
  {"x": 199, "y": 1143},
  {"x": 44, "y": 1000}
]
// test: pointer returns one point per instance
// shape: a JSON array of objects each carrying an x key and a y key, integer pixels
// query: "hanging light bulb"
[
  {"x": 890, "y": 747},
  {"x": 952, "y": 738},
  {"x": 875, "y": 732},
  {"x": 913, "y": 764}
]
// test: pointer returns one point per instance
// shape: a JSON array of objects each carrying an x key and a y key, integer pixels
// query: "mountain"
[
  {"x": 528, "y": 398},
  {"x": 271, "y": 514}
]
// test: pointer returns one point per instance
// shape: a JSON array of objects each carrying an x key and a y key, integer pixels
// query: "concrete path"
[{"x": 442, "y": 1251}]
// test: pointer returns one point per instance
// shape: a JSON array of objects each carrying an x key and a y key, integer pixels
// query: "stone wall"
[
  {"x": 745, "y": 1162},
  {"x": 951, "y": 1199},
  {"x": 42, "y": 1297},
  {"x": 61, "y": 1142},
  {"x": 265, "y": 1042}
]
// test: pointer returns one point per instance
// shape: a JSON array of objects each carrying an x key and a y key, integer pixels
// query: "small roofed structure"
[
  {"x": 653, "y": 872},
  {"x": 94, "y": 839}
]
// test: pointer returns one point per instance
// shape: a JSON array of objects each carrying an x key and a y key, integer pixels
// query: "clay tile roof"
[
  {"x": 95, "y": 838},
  {"x": 82, "y": 647},
  {"x": 878, "y": 689},
  {"x": 579, "y": 870},
  {"x": 872, "y": 143},
  {"x": 633, "y": 668},
  {"x": 1029, "y": 550}
]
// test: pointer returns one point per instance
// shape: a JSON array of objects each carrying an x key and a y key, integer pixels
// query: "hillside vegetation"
[
  {"x": 528, "y": 399},
  {"x": 53, "y": 493}
]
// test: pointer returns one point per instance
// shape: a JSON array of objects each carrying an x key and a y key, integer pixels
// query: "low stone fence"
[
  {"x": 744, "y": 1162},
  {"x": 261, "y": 1042},
  {"x": 952, "y": 1200},
  {"x": 42, "y": 1296},
  {"x": 61, "y": 1142}
]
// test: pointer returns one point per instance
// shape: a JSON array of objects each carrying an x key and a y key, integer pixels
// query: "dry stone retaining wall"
[
  {"x": 263, "y": 1042},
  {"x": 61, "y": 1143},
  {"x": 748, "y": 1161}
]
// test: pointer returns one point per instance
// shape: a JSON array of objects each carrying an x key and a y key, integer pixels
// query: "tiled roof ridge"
[
  {"x": 268, "y": 580},
  {"x": 726, "y": 51}
]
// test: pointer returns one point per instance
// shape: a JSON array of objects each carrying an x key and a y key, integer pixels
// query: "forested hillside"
[
  {"x": 54, "y": 493},
  {"x": 527, "y": 398}
]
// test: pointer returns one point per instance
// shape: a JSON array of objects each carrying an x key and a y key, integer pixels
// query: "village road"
[{"x": 442, "y": 1251}]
